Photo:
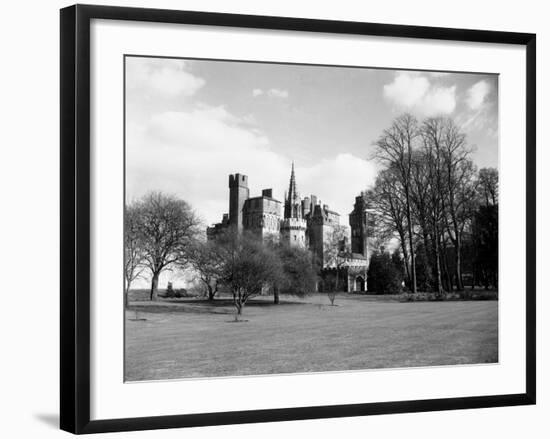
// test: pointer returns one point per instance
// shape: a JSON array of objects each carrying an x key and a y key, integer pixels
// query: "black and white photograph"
[{"x": 293, "y": 218}]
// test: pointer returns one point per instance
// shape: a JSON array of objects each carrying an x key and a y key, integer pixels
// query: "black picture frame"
[{"x": 75, "y": 217}]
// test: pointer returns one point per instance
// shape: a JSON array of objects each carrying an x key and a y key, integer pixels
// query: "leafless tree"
[
  {"x": 206, "y": 259},
  {"x": 248, "y": 267},
  {"x": 394, "y": 148},
  {"x": 459, "y": 187},
  {"x": 487, "y": 186},
  {"x": 167, "y": 227},
  {"x": 387, "y": 199},
  {"x": 433, "y": 154},
  {"x": 134, "y": 256},
  {"x": 335, "y": 245}
]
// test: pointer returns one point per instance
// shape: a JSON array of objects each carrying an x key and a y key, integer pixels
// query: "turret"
[{"x": 238, "y": 194}]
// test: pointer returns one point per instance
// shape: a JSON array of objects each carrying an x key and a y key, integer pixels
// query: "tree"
[
  {"x": 249, "y": 266},
  {"x": 167, "y": 227},
  {"x": 485, "y": 240},
  {"x": 433, "y": 159},
  {"x": 298, "y": 272},
  {"x": 388, "y": 202},
  {"x": 334, "y": 244},
  {"x": 134, "y": 256},
  {"x": 206, "y": 259},
  {"x": 395, "y": 148},
  {"x": 384, "y": 276},
  {"x": 487, "y": 186},
  {"x": 459, "y": 172}
]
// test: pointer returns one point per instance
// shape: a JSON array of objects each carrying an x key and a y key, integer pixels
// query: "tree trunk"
[
  {"x": 154, "y": 286},
  {"x": 448, "y": 284},
  {"x": 458, "y": 262},
  {"x": 405, "y": 255},
  {"x": 276, "y": 296},
  {"x": 439, "y": 289},
  {"x": 211, "y": 292},
  {"x": 239, "y": 309},
  {"x": 411, "y": 241}
]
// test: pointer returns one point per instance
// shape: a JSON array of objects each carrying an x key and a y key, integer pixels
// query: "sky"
[{"x": 191, "y": 123}]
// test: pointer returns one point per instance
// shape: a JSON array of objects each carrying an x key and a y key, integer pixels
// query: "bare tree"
[
  {"x": 134, "y": 256},
  {"x": 459, "y": 188},
  {"x": 388, "y": 202},
  {"x": 167, "y": 226},
  {"x": 206, "y": 259},
  {"x": 335, "y": 246},
  {"x": 394, "y": 148},
  {"x": 487, "y": 186},
  {"x": 248, "y": 267},
  {"x": 433, "y": 155}
]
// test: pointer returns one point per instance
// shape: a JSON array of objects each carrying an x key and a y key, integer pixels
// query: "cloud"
[
  {"x": 277, "y": 93},
  {"x": 414, "y": 92},
  {"x": 477, "y": 94},
  {"x": 191, "y": 153},
  {"x": 336, "y": 181},
  {"x": 272, "y": 93},
  {"x": 158, "y": 76},
  {"x": 480, "y": 112}
]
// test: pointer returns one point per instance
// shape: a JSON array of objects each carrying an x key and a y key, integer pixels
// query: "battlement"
[
  {"x": 294, "y": 224},
  {"x": 238, "y": 180}
]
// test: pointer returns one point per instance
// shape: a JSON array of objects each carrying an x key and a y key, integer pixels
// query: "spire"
[
  {"x": 292, "y": 201},
  {"x": 292, "y": 186}
]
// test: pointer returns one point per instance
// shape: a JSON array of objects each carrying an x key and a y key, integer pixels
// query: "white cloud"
[
  {"x": 191, "y": 154},
  {"x": 480, "y": 112},
  {"x": 277, "y": 93},
  {"x": 477, "y": 94},
  {"x": 336, "y": 181},
  {"x": 414, "y": 92},
  {"x": 158, "y": 76},
  {"x": 272, "y": 93},
  {"x": 438, "y": 74}
]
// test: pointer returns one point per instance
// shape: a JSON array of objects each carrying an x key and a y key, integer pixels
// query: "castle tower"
[
  {"x": 293, "y": 226},
  {"x": 358, "y": 220},
  {"x": 238, "y": 194}
]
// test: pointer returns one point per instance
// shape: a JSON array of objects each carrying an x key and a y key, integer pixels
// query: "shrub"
[{"x": 384, "y": 276}]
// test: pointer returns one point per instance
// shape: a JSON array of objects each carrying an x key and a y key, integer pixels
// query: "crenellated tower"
[
  {"x": 359, "y": 220},
  {"x": 238, "y": 194}
]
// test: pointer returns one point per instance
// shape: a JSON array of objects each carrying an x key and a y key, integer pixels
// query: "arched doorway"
[{"x": 359, "y": 283}]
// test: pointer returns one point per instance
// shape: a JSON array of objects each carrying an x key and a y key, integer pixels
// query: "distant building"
[{"x": 305, "y": 223}]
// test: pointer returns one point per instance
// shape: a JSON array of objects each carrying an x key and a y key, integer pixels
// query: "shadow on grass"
[{"x": 202, "y": 306}]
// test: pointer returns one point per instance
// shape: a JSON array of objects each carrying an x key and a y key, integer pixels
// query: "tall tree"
[
  {"x": 459, "y": 172},
  {"x": 395, "y": 148},
  {"x": 432, "y": 138},
  {"x": 388, "y": 201},
  {"x": 487, "y": 186},
  {"x": 167, "y": 227}
]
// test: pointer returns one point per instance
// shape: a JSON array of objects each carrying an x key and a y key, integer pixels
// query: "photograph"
[{"x": 295, "y": 218}]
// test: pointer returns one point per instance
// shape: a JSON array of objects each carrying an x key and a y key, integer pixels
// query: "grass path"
[{"x": 190, "y": 339}]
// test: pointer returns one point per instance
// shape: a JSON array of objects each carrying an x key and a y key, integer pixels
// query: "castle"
[{"x": 304, "y": 223}]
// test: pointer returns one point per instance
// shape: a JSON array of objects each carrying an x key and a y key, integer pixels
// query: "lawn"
[{"x": 193, "y": 338}]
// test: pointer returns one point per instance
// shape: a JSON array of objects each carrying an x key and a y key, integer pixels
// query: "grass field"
[{"x": 193, "y": 338}]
